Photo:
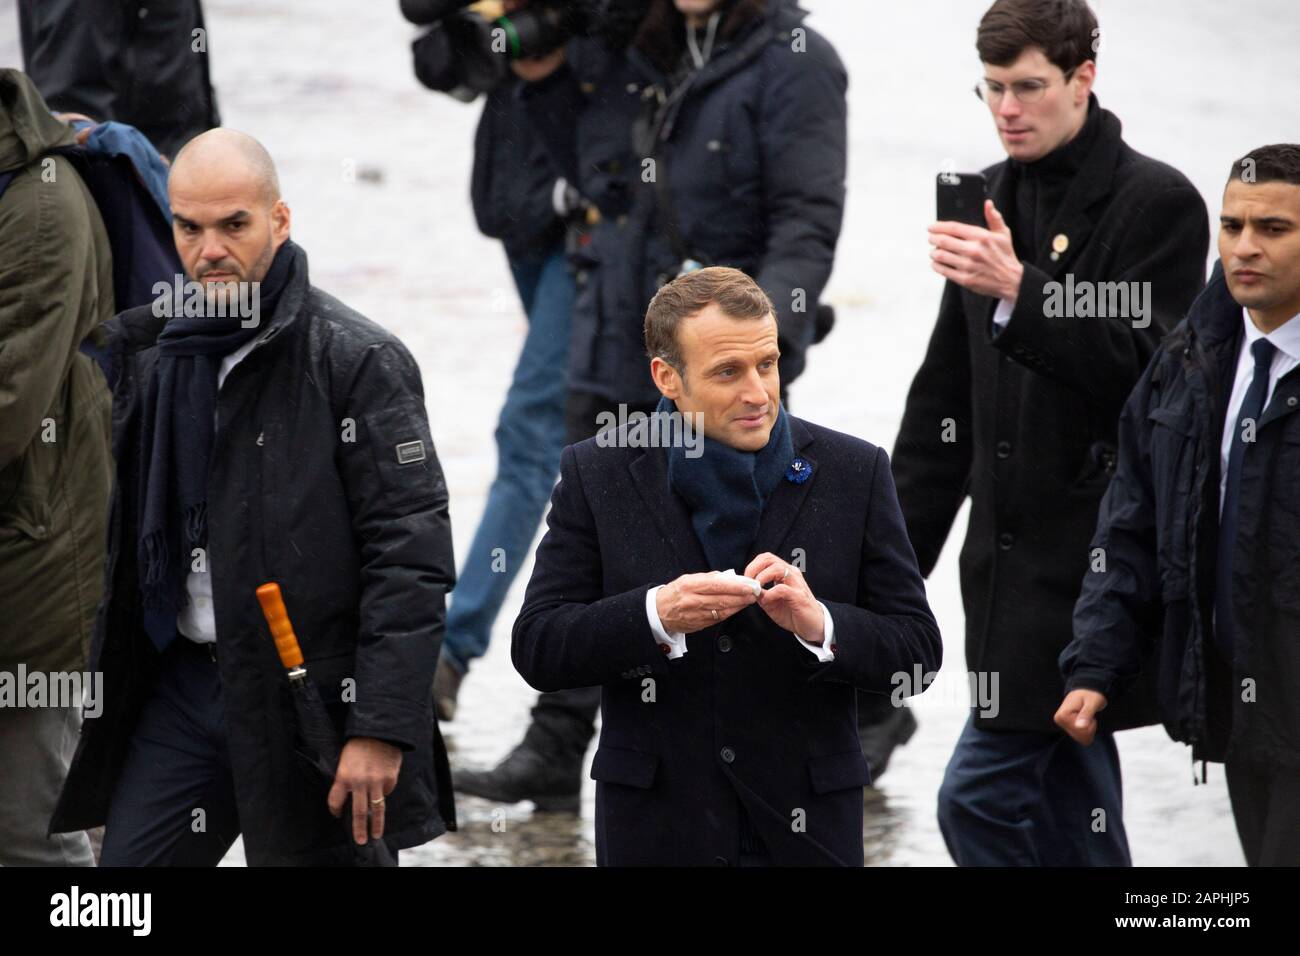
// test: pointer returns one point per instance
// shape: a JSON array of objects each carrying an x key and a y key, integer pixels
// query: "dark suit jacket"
[{"x": 748, "y": 714}]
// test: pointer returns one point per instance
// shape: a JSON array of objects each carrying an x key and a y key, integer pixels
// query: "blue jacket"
[
  {"x": 747, "y": 714},
  {"x": 753, "y": 148}
]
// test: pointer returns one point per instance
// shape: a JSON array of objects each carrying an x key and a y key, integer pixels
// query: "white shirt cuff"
[
  {"x": 1002, "y": 314},
  {"x": 676, "y": 643},
  {"x": 557, "y": 197},
  {"x": 825, "y": 652}
]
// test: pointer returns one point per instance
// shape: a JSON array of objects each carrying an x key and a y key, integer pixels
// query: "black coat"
[
  {"x": 1158, "y": 527},
  {"x": 1033, "y": 415},
  {"x": 747, "y": 713},
  {"x": 361, "y": 548},
  {"x": 133, "y": 62},
  {"x": 513, "y": 180},
  {"x": 753, "y": 153}
]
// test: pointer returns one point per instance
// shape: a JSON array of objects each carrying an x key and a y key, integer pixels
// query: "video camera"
[{"x": 469, "y": 44}]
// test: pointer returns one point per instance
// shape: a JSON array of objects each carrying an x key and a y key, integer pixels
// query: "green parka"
[{"x": 56, "y": 288}]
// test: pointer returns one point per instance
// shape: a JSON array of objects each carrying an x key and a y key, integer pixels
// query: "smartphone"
[{"x": 961, "y": 197}]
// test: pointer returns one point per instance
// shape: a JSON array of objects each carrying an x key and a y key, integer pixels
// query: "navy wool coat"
[{"x": 747, "y": 714}]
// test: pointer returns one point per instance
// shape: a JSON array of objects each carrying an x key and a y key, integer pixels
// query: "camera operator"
[{"x": 519, "y": 200}]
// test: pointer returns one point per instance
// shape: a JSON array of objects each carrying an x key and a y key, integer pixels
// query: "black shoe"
[
  {"x": 551, "y": 781},
  {"x": 879, "y": 739},
  {"x": 446, "y": 687}
]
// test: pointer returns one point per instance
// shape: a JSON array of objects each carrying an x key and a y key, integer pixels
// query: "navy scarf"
[
  {"x": 177, "y": 432},
  {"x": 725, "y": 490}
]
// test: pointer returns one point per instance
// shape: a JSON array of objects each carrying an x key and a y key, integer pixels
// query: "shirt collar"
[{"x": 1285, "y": 338}]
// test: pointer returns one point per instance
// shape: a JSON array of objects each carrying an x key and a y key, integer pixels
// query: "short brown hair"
[
  {"x": 735, "y": 293},
  {"x": 1065, "y": 30}
]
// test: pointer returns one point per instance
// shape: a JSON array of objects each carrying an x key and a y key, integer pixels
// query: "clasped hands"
[{"x": 693, "y": 602}]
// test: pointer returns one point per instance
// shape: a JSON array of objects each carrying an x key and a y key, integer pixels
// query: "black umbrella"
[{"x": 314, "y": 725}]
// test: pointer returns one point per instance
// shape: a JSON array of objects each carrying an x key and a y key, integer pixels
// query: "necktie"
[{"x": 1252, "y": 406}]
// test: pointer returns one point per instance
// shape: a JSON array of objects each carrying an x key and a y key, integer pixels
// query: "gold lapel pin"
[{"x": 1059, "y": 245}]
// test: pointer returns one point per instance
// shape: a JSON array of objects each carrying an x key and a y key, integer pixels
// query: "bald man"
[{"x": 263, "y": 432}]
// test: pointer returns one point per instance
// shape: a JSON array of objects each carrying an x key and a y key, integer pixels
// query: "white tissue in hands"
[{"x": 731, "y": 573}]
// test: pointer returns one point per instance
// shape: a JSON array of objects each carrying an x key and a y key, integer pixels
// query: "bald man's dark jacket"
[
  {"x": 325, "y": 480},
  {"x": 747, "y": 715}
]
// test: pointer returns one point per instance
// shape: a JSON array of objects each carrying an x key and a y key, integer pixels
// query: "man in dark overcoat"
[
  {"x": 1091, "y": 253},
  {"x": 729, "y": 711}
]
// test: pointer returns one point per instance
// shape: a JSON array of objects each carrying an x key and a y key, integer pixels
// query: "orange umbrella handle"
[{"x": 277, "y": 619}]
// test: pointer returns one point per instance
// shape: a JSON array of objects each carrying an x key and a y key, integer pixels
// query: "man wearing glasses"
[{"x": 1049, "y": 315}]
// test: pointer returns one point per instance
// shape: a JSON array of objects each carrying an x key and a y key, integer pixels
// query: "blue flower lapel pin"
[{"x": 800, "y": 470}]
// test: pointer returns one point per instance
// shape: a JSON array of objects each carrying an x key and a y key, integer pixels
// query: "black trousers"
[
  {"x": 174, "y": 800},
  {"x": 1266, "y": 808},
  {"x": 1265, "y": 798},
  {"x": 564, "y": 721}
]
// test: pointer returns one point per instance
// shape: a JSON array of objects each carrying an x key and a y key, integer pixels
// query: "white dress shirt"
[
  {"x": 676, "y": 641},
  {"x": 196, "y": 620},
  {"x": 1002, "y": 314},
  {"x": 1286, "y": 339}
]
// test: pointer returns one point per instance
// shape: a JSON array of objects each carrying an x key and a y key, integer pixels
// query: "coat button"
[
  {"x": 1004, "y": 449},
  {"x": 1292, "y": 401},
  {"x": 728, "y": 755},
  {"x": 724, "y": 644},
  {"x": 1005, "y": 540}
]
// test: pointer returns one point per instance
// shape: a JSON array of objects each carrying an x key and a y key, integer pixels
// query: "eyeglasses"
[{"x": 1026, "y": 91}]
